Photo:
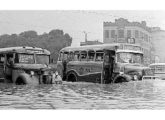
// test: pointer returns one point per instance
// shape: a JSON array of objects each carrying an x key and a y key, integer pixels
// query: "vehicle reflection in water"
[{"x": 130, "y": 95}]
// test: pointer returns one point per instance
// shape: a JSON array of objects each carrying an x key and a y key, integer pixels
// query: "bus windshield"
[
  {"x": 25, "y": 58},
  {"x": 42, "y": 59},
  {"x": 30, "y": 59},
  {"x": 124, "y": 57}
]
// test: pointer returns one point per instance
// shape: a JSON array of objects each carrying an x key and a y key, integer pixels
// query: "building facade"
[
  {"x": 123, "y": 31},
  {"x": 158, "y": 39}
]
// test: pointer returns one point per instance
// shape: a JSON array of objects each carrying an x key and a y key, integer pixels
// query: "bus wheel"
[
  {"x": 71, "y": 76},
  {"x": 120, "y": 79},
  {"x": 25, "y": 79},
  {"x": 20, "y": 81}
]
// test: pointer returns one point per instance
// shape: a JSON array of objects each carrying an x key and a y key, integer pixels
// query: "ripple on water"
[{"x": 131, "y": 95}]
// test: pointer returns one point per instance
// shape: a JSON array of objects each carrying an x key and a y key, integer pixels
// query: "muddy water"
[{"x": 131, "y": 95}]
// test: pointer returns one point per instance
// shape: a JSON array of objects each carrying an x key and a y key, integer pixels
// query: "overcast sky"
[{"x": 73, "y": 22}]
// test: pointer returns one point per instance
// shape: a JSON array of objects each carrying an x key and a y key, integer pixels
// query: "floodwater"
[{"x": 148, "y": 94}]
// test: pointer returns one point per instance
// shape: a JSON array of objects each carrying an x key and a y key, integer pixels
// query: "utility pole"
[{"x": 86, "y": 35}]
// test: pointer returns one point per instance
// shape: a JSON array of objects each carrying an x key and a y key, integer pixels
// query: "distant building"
[
  {"x": 96, "y": 42},
  {"x": 158, "y": 39},
  {"x": 123, "y": 31}
]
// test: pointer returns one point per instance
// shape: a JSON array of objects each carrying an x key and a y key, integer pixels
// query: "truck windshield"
[
  {"x": 124, "y": 57},
  {"x": 25, "y": 58},
  {"x": 42, "y": 59}
]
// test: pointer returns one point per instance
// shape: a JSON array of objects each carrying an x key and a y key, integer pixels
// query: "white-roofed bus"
[
  {"x": 104, "y": 63},
  {"x": 158, "y": 69},
  {"x": 25, "y": 65}
]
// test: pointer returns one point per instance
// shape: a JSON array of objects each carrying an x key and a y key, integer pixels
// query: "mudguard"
[{"x": 27, "y": 79}]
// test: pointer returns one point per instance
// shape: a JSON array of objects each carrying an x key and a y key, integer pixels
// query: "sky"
[{"x": 73, "y": 22}]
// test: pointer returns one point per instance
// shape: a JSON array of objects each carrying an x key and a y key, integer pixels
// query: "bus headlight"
[
  {"x": 31, "y": 73},
  {"x": 135, "y": 77}
]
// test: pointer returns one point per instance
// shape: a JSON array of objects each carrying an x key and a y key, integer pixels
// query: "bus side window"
[
  {"x": 71, "y": 56},
  {"x": 76, "y": 56},
  {"x": 10, "y": 59},
  {"x": 2, "y": 58},
  {"x": 91, "y": 55},
  {"x": 65, "y": 56},
  {"x": 83, "y": 55},
  {"x": 99, "y": 56}
]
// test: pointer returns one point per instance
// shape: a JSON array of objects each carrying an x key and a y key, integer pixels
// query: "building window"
[
  {"x": 141, "y": 35},
  {"x": 128, "y": 33},
  {"x": 121, "y": 33},
  {"x": 147, "y": 38},
  {"x": 112, "y": 33},
  {"x": 106, "y": 33},
  {"x": 136, "y": 34}
]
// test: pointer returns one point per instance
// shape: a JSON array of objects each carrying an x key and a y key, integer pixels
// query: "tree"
[
  {"x": 52, "y": 41},
  {"x": 29, "y": 34}
]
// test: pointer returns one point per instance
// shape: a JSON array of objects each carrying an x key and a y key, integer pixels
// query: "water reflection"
[{"x": 131, "y": 95}]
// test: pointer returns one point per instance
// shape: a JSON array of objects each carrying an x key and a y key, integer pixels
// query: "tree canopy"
[{"x": 53, "y": 41}]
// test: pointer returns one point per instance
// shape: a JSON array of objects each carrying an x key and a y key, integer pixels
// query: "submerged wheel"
[
  {"x": 26, "y": 79},
  {"x": 72, "y": 76},
  {"x": 120, "y": 79}
]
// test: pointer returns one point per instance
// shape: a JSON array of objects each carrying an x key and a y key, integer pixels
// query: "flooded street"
[{"x": 131, "y": 95}]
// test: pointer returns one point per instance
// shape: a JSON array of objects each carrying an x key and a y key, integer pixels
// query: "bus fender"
[{"x": 26, "y": 79}]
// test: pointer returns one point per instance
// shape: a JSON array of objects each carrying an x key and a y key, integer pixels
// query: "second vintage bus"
[{"x": 101, "y": 64}]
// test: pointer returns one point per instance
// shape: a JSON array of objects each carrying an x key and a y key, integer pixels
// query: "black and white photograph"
[{"x": 82, "y": 59}]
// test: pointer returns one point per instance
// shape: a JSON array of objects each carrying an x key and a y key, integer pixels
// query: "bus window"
[
  {"x": 65, "y": 56},
  {"x": 91, "y": 55},
  {"x": 83, "y": 55},
  {"x": 2, "y": 58},
  {"x": 76, "y": 56},
  {"x": 71, "y": 56},
  {"x": 10, "y": 59},
  {"x": 99, "y": 56}
]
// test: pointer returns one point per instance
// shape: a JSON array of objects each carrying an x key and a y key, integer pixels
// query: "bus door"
[
  {"x": 9, "y": 65},
  {"x": 108, "y": 64},
  {"x": 64, "y": 63},
  {"x": 2, "y": 67}
]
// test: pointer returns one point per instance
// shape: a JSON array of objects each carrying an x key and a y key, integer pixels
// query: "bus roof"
[
  {"x": 92, "y": 47},
  {"x": 110, "y": 46},
  {"x": 129, "y": 51},
  {"x": 24, "y": 49},
  {"x": 154, "y": 64}
]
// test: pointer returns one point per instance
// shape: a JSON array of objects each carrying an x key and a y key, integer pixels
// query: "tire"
[
  {"x": 72, "y": 77},
  {"x": 26, "y": 79},
  {"x": 120, "y": 79}
]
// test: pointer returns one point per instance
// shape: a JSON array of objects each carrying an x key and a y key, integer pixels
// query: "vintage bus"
[
  {"x": 105, "y": 63},
  {"x": 158, "y": 69},
  {"x": 25, "y": 65}
]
